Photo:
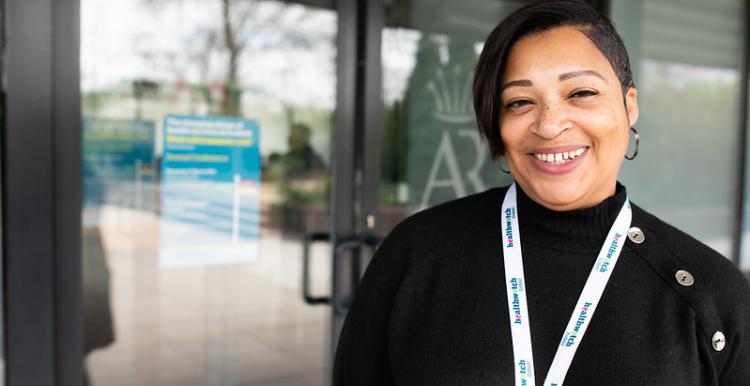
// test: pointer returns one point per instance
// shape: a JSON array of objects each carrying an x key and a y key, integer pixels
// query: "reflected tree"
[
  {"x": 234, "y": 19},
  {"x": 239, "y": 23}
]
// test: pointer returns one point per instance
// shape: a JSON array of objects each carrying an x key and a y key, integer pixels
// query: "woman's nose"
[{"x": 552, "y": 122}]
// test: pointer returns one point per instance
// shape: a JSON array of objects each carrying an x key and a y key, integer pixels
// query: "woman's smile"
[{"x": 558, "y": 160}]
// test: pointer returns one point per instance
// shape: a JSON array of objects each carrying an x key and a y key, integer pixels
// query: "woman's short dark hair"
[{"x": 530, "y": 19}]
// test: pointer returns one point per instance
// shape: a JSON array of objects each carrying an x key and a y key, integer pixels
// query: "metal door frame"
[
  {"x": 41, "y": 182},
  {"x": 356, "y": 147}
]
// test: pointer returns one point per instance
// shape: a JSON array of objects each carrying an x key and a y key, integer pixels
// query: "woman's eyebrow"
[
  {"x": 574, "y": 74},
  {"x": 564, "y": 76},
  {"x": 516, "y": 83}
]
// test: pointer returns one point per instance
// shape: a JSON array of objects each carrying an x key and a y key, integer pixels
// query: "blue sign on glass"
[
  {"x": 118, "y": 159},
  {"x": 210, "y": 193}
]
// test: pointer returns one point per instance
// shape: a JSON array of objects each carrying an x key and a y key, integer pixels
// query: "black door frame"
[
  {"x": 356, "y": 150},
  {"x": 41, "y": 183}
]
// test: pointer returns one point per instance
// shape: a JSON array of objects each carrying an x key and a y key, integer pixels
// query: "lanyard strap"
[{"x": 584, "y": 309}]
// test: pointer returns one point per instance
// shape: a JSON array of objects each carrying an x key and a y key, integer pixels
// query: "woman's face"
[{"x": 563, "y": 121}]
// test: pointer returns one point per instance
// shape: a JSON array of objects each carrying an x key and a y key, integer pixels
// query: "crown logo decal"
[{"x": 452, "y": 96}]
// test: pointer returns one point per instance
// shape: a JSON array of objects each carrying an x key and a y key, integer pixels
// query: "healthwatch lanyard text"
[{"x": 584, "y": 310}]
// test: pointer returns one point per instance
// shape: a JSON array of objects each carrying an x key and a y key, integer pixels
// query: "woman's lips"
[{"x": 564, "y": 158}]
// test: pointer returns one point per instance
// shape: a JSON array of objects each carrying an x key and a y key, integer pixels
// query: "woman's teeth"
[{"x": 559, "y": 158}]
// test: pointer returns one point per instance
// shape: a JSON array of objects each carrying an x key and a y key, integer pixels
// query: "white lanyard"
[{"x": 584, "y": 309}]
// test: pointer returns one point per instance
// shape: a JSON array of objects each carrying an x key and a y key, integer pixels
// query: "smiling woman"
[
  {"x": 560, "y": 95},
  {"x": 597, "y": 291}
]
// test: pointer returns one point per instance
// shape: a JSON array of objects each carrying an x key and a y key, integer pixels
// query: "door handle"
[
  {"x": 353, "y": 243},
  {"x": 308, "y": 241},
  {"x": 345, "y": 244}
]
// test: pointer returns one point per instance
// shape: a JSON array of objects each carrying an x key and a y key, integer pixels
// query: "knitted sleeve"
[
  {"x": 737, "y": 369},
  {"x": 362, "y": 352}
]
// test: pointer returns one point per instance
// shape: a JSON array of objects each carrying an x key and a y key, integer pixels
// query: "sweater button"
[
  {"x": 635, "y": 235},
  {"x": 684, "y": 278},
  {"x": 718, "y": 341}
]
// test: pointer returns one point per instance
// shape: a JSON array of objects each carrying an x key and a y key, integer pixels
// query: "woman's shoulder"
[
  {"x": 683, "y": 250},
  {"x": 718, "y": 293},
  {"x": 455, "y": 217},
  {"x": 480, "y": 201},
  {"x": 455, "y": 223}
]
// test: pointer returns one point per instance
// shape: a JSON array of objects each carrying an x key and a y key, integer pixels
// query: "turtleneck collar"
[{"x": 579, "y": 230}]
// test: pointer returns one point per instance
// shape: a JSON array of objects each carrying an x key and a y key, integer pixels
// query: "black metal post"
[
  {"x": 41, "y": 193},
  {"x": 343, "y": 170},
  {"x": 67, "y": 175},
  {"x": 742, "y": 143}
]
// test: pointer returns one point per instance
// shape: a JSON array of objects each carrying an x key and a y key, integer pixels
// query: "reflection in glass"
[
  {"x": 432, "y": 151},
  {"x": 177, "y": 95},
  {"x": 686, "y": 60}
]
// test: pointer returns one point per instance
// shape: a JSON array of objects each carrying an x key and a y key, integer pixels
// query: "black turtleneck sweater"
[{"x": 432, "y": 310}]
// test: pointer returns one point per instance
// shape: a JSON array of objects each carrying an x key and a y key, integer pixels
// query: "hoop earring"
[
  {"x": 501, "y": 168},
  {"x": 637, "y": 144}
]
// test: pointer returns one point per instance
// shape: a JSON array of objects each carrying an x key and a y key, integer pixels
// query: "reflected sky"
[{"x": 288, "y": 57}]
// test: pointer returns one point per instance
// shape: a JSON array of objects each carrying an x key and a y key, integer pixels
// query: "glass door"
[
  {"x": 431, "y": 148},
  {"x": 207, "y": 131}
]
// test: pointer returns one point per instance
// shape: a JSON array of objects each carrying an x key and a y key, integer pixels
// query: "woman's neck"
[
  {"x": 574, "y": 230},
  {"x": 560, "y": 203}
]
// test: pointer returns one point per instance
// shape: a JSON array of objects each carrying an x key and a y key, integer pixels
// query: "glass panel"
[
  {"x": 686, "y": 59},
  {"x": 432, "y": 151},
  {"x": 206, "y": 152}
]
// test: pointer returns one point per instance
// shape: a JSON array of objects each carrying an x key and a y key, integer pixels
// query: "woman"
[{"x": 557, "y": 278}]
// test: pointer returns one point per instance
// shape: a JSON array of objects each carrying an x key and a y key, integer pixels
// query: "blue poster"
[
  {"x": 210, "y": 191},
  {"x": 118, "y": 157}
]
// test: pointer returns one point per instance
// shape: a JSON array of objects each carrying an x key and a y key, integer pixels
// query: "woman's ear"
[{"x": 631, "y": 105}]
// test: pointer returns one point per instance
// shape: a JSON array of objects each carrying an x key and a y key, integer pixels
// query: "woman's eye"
[
  {"x": 518, "y": 103},
  {"x": 583, "y": 93}
]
